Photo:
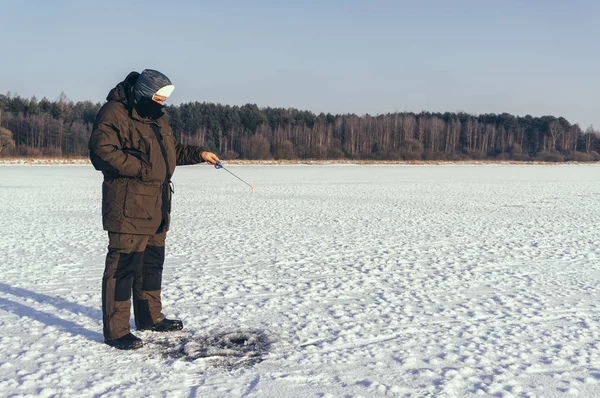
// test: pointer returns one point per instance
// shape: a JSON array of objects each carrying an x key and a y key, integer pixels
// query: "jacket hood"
[{"x": 123, "y": 92}]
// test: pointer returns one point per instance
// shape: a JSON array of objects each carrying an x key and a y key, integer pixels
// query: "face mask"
[{"x": 149, "y": 109}]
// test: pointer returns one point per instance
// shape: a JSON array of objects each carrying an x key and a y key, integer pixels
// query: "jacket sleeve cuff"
[{"x": 198, "y": 156}]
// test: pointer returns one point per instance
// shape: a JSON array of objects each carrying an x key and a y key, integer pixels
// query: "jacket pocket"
[
  {"x": 142, "y": 201},
  {"x": 143, "y": 137}
]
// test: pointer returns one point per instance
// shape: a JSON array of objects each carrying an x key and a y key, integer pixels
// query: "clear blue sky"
[{"x": 535, "y": 57}]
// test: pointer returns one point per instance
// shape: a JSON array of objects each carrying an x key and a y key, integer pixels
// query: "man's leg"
[
  {"x": 125, "y": 254},
  {"x": 147, "y": 304}
]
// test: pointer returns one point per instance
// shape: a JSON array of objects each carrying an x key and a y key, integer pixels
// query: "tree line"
[{"x": 32, "y": 127}]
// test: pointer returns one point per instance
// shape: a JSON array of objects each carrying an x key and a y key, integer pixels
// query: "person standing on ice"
[{"x": 133, "y": 145}]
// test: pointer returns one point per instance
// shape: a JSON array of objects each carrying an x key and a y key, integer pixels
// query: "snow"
[{"x": 357, "y": 281}]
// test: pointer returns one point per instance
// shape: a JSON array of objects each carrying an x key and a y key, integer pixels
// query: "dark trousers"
[{"x": 134, "y": 263}]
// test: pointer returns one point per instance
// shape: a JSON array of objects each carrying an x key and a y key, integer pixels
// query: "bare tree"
[
  {"x": 556, "y": 130},
  {"x": 257, "y": 147},
  {"x": 7, "y": 143},
  {"x": 589, "y": 135}
]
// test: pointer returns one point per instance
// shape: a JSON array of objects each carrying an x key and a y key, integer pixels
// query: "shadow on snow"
[{"x": 46, "y": 318}]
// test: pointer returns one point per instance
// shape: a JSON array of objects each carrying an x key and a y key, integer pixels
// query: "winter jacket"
[{"x": 137, "y": 157}]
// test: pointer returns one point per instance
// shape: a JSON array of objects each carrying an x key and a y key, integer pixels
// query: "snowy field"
[{"x": 354, "y": 281}]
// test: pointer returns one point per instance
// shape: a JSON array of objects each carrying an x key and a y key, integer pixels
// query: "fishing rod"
[{"x": 219, "y": 165}]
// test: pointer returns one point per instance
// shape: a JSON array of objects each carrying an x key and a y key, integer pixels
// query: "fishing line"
[{"x": 219, "y": 165}]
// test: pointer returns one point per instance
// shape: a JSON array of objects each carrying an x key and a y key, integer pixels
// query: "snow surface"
[{"x": 364, "y": 281}]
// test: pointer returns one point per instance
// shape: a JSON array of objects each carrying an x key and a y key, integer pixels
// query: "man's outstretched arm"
[{"x": 190, "y": 154}]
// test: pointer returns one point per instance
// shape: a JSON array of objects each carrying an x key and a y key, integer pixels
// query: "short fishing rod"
[{"x": 219, "y": 165}]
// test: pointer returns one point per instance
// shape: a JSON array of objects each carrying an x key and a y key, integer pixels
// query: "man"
[{"x": 134, "y": 147}]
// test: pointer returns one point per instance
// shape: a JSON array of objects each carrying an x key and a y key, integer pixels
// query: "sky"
[{"x": 537, "y": 57}]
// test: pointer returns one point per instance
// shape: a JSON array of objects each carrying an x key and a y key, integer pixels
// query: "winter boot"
[
  {"x": 127, "y": 342},
  {"x": 166, "y": 325}
]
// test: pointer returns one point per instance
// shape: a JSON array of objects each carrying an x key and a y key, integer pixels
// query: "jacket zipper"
[{"x": 165, "y": 195}]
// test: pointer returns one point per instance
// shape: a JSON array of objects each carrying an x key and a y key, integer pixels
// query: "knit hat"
[{"x": 152, "y": 82}]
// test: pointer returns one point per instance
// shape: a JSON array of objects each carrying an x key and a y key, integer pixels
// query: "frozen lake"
[{"x": 362, "y": 280}]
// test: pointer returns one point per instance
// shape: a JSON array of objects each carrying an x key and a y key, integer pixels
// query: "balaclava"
[{"x": 151, "y": 82}]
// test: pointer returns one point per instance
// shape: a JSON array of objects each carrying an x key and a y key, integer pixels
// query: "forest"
[{"x": 61, "y": 128}]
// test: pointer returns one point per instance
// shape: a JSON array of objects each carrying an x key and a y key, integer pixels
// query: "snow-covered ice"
[{"x": 362, "y": 281}]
